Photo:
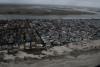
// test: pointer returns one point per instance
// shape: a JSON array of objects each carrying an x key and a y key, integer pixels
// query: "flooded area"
[{"x": 87, "y": 60}]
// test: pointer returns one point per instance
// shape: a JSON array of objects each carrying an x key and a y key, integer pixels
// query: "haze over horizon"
[{"x": 83, "y": 3}]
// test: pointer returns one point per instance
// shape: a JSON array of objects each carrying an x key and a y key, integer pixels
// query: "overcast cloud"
[{"x": 89, "y": 3}]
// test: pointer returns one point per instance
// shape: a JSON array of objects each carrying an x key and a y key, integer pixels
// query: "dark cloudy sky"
[{"x": 89, "y": 3}]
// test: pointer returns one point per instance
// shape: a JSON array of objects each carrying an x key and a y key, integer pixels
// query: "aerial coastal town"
[{"x": 49, "y": 36}]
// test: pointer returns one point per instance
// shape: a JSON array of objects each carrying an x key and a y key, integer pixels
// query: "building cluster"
[
  {"x": 47, "y": 32},
  {"x": 60, "y": 32},
  {"x": 16, "y": 33}
]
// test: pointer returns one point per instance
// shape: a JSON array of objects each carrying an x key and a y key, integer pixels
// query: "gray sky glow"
[{"x": 89, "y": 3}]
